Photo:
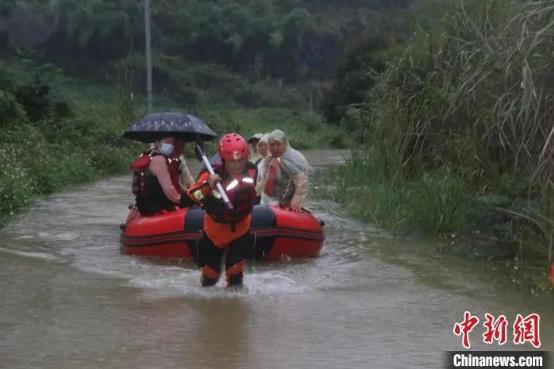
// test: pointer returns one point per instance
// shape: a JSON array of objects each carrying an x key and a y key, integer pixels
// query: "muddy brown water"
[{"x": 70, "y": 299}]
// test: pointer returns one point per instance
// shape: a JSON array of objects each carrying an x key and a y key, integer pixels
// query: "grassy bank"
[
  {"x": 53, "y": 135},
  {"x": 456, "y": 135},
  {"x": 438, "y": 207},
  {"x": 434, "y": 203}
]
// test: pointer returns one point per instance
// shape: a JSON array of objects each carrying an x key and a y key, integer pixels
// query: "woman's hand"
[
  {"x": 295, "y": 205},
  {"x": 213, "y": 179}
]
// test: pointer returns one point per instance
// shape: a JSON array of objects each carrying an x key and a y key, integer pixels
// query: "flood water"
[{"x": 70, "y": 299}]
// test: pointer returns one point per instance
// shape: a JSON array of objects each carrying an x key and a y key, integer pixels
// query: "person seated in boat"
[
  {"x": 253, "y": 147},
  {"x": 226, "y": 232},
  {"x": 185, "y": 175},
  {"x": 284, "y": 174},
  {"x": 157, "y": 178},
  {"x": 263, "y": 149}
]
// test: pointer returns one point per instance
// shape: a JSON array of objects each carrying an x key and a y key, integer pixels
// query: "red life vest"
[
  {"x": 150, "y": 197},
  {"x": 140, "y": 167},
  {"x": 272, "y": 176},
  {"x": 241, "y": 192}
]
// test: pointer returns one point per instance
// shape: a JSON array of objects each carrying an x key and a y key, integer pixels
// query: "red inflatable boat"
[{"x": 278, "y": 233}]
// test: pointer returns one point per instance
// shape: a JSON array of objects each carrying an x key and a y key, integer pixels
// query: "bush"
[
  {"x": 55, "y": 150},
  {"x": 16, "y": 183},
  {"x": 10, "y": 109},
  {"x": 437, "y": 201},
  {"x": 107, "y": 159}
]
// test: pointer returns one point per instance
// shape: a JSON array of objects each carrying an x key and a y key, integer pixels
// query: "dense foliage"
[
  {"x": 49, "y": 138},
  {"x": 247, "y": 46},
  {"x": 457, "y": 131}
]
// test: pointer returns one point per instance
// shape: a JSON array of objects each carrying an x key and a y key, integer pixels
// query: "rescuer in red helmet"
[{"x": 224, "y": 228}]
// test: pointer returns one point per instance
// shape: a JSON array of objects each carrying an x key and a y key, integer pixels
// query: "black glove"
[{"x": 186, "y": 202}]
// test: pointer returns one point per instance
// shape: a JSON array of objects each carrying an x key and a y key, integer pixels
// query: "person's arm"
[
  {"x": 158, "y": 167},
  {"x": 263, "y": 175},
  {"x": 301, "y": 185},
  {"x": 186, "y": 176}
]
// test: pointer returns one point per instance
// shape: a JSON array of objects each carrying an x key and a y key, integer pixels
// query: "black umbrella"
[{"x": 180, "y": 125}]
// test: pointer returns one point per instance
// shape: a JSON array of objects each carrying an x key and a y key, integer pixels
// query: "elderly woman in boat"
[
  {"x": 284, "y": 179},
  {"x": 254, "y": 155}
]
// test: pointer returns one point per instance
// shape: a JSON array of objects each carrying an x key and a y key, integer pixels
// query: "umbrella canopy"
[{"x": 180, "y": 125}]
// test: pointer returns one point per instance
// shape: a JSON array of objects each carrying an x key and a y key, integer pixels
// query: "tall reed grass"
[{"x": 473, "y": 101}]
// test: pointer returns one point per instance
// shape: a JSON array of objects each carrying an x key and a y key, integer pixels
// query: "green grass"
[
  {"x": 58, "y": 148},
  {"x": 435, "y": 203},
  {"x": 438, "y": 206}
]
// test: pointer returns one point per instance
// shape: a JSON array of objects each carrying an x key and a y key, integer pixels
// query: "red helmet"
[{"x": 233, "y": 147}]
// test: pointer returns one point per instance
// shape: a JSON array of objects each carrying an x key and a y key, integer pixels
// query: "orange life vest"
[{"x": 241, "y": 191}]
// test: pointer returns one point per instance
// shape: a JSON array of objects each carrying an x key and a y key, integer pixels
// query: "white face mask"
[{"x": 166, "y": 149}]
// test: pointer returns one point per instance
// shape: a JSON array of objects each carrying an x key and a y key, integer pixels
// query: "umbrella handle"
[{"x": 218, "y": 185}]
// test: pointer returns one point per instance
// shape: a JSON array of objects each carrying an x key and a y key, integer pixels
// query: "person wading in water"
[{"x": 225, "y": 229}]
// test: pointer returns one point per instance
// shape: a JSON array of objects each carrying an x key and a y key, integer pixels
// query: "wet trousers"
[{"x": 211, "y": 258}]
